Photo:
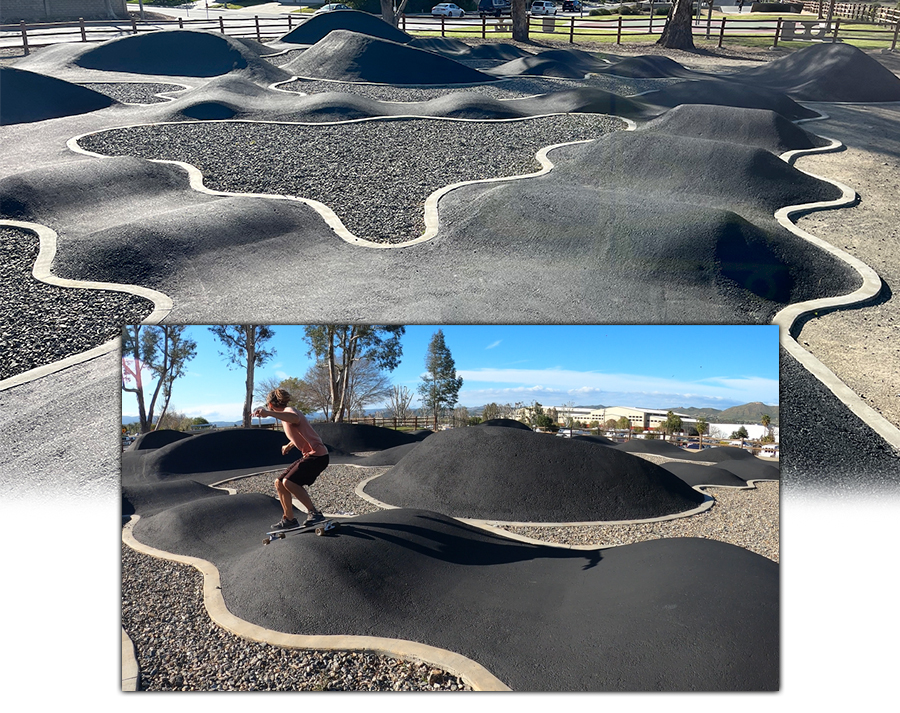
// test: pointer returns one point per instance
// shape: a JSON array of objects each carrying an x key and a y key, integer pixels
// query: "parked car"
[
  {"x": 543, "y": 7},
  {"x": 494, "y": 7},
  {"x": 572, "y": 6},
  {"x": 447, "y": 9},
  {"x": 331, "y": 8}
]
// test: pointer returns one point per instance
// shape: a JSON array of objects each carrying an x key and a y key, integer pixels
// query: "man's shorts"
[{"x": 306, "y": 470}]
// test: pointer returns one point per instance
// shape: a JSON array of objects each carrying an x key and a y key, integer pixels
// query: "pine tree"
[{"x": 440, "y": 385}]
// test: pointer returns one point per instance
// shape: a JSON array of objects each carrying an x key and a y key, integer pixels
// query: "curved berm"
[
  {"x": 506, "y": 423},
  {"x": 652, "y": 446},
  {"x": 829, "y": 72},
  {"x": 209, "y": 456},
  {"x": 353, "y": 57},
  {"x": 148, "y": 498},
  {"x": 506, "y": 474},
  {"x": 390, "y": 456},
  {"x": 648, "y": 66},
  {"x": 317, "y": 27},
  {"x": 568, "y": 64},
  {"x": 457, "y": 49},
  {"x": 540, "y": 618},
  {"x": 157, "y": 439},
  {"x": 697, "y": 475},
  {"x": 761, "y": 128},
  {"x": 361, "y": 437},
  {"x": 27, "y": 96},
  {"x": 599, "y": 440},
  {"x": 182, "y": 53},
  {"x": 728, "y": 93}
]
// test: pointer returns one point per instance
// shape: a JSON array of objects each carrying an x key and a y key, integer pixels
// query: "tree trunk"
[
  {"x": 677, "y": 32},
  {"x": 250, "y": 335},
  {"x": 519, "y": 21}
]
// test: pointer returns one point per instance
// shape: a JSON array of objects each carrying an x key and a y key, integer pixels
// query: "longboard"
[{"x": 320, "y": 528}]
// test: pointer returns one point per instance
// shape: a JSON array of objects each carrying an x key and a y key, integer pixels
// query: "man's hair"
[{"x": 278, "y": 397}]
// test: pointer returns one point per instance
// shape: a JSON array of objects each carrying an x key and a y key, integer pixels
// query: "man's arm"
[{"x": 285, "y": 415}]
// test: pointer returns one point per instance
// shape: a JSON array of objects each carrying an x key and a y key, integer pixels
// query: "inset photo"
[{"x": 451, "y": 507}]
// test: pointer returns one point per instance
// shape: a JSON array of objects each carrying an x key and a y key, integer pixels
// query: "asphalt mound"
[
  {"x": 652, "y": 446},
  {"x": 828, "y": 72},
  {"x": 567, "y": 64},
  {"x": 697, "y": 475},
  {"x": 457, "y": 49},
  {"x": 511, "y": 475},
  {"x": 724, "y": 92},
  {"x": 354, "y": 57},
  {"x": 361, "y": 437},
  {"x": 157, "y": 439},
  {"x": 317, "y": 27},
  {"x": 215, "y": 452},
  {"x": 751, "y": 469},
  {"x": 761, "y": 128},
  {"x": 182, "y": 53},
  {"x": 421, "y": 576},
  {"x": 149, "y": 498},
  {"x": 649, "y": 67},
  {"x": 732, "y": 172},
  {"x": 389, "y": 456},
  {"x": 506, "y": 423},
  {"x": 27, "y": 97}
]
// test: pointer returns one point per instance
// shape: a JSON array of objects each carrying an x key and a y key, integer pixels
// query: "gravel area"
[
  {"x": 61, "y": 321},
  {"x": 134, "y": 92},
  {"x": 179, "y": 648},
  {"x": 375, "y": 175},
  {"x": 507, "y": 89}
]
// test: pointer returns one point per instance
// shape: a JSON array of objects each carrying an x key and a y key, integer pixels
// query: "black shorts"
[{"x": 306, "y": 470}]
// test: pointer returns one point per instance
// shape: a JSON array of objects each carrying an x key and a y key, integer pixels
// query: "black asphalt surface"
[
  {"x": 317, "y": 27},
  {"x": 507, "y": 474},
  {"x": 540, "y": 618}
]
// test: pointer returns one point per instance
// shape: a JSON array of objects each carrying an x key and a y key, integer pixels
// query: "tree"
[
  {"x": 440, "y": 385},
  {"x": 490, "y": 411},
  {"x": 677, "y": 32},
  {"x": 623, "y": 423},
  {"x": 766, "y": 421},
  {"x": 740, "y": 433},
  {"x": 399, "y": 401},
  {"x": 294, "y": 386},
  {"x": 367, "y": 385},
  {"x": 671, "y": 424},
  {"x": 243, "y": 349},
  {"x": 388, "y": 14},
  {"x": 702, "y": 427},
  {"x": 161, "y": 350},
  {"x": 342, "y": 346},
  {"x": 519, "y": 14},
  {"x": 316, "y": 389}
]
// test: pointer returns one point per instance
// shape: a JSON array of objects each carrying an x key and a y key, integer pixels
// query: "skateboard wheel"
[
  {"x": 280, "y": 535},
  {"x": 320, "y": 531},
  {"x": 266, "y": 541}
]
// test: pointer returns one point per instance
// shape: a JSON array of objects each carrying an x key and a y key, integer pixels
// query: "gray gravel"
[
  {"x": 134, "y": 92},
  {"x": 179, "y": 648},
  {"x": 375, "y": 175},
  {"x": 61, "y": 321}
]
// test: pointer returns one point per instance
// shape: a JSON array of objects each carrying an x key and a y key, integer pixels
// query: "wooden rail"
[{"x": 574, "y": 29}]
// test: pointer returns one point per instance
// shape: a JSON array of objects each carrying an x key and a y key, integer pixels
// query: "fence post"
[
  {"x": 837, "y": 24},
  {"x": 83, "y": 32},
  {"x": 180, "y": 23},
  {"x": 484, "y": 27},
  {"x": 893, "y": 44},
  {"x": 777, "y": 33},
  {"x": 258, "y": 36},
  {"x": 722, "y": 31},
  {"x": 443, "y": 17},
  {"x": 572, "y": 30},
  {"x": 27, "y": 51},
  {"x": 619, "y": 32},
  {"x": 290, "y": 27},
  {"x": 221, "y": 25}
]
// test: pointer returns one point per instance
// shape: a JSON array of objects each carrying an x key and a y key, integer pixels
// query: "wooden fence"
[
  {"x": 572, "y": 29},
  {"x": 855, "y": 11}
]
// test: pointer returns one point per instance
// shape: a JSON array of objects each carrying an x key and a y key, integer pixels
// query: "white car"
[
  {"x": 331, "y": 8},
  {"x": 447, "y": 9},
  {"x": 543, "y": 7}
]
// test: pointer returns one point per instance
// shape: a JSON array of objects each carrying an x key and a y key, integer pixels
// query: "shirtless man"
[{"x": 302, "y": 472}]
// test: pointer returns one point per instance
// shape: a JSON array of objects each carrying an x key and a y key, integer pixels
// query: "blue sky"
[{"x": 644, "y": 366}]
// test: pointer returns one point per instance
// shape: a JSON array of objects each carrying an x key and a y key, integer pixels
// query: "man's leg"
[
  {"x": 300, "y": 492},
  {"x": 284, "y": 496}
]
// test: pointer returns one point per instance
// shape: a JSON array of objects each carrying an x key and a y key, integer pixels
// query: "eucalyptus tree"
[{"x": 244, "y": 350}]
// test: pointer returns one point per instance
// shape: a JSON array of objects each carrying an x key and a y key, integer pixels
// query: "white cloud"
[{"x": 495, "y": 344}]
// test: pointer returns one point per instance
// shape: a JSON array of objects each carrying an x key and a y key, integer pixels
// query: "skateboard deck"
[{"x": 320, "y": 528}]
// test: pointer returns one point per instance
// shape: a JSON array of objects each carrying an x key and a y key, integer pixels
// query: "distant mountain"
[{"x": 746, "y": 413}]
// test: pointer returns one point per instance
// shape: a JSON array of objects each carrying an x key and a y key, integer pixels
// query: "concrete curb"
[
  {"x": 42, "y": 272},
  {"x": 472, "y": 672},
  {"x": 131, "y": 673},
  {"x": 871, "y": 287}
]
